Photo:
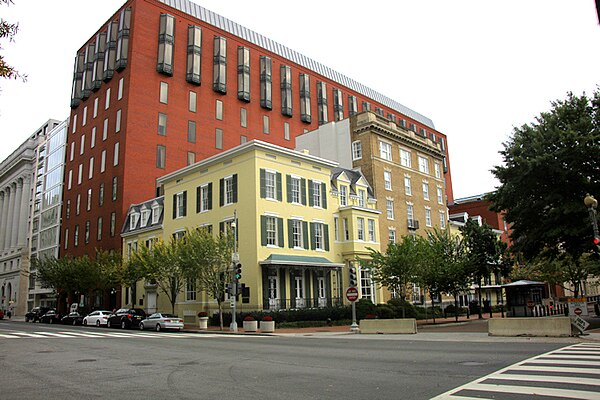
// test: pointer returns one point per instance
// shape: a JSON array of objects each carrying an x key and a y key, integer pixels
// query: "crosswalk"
[
  {"x": 108, "y": 335},
  {"x": 572, "y": 372}
]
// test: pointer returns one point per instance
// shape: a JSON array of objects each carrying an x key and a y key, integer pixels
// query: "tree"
[
  {"x": 8, "y": 30},
  {"x": 397, "y": 267},
  {"x": 548, "y": 167},
  {"x": 206, "y": 260}
]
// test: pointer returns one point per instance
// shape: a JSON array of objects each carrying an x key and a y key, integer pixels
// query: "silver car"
[
  {"x": 97, "y": 318},
  {"x": 160, "y": 321}
]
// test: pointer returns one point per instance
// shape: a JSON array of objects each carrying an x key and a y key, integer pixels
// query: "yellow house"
[{"x": 301, "y": 221}]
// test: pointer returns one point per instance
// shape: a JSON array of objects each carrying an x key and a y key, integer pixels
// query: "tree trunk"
[
  {"x": 220, "y": 313},
  {"x": 456, "y": 308},
  {"x": 432, "y": 307},
  {"x": 480, "y": 305}
]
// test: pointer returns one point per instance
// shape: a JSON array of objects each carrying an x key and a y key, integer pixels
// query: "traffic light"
[
  {"x": 597, "y": 240},
  {"x": 352, "y": 281},
  {"x": 238, "y": 272}
]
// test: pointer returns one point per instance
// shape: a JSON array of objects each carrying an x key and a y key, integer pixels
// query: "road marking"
[
  {"x": 51, "y": 334},
  {"x": 561, "y": 361},
  {"x": 116, "y": 335}
]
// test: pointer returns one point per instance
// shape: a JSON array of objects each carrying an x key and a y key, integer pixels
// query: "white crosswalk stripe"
[
  {"x": 107, "y": 334},
  {"x": 572, "y": 372}
]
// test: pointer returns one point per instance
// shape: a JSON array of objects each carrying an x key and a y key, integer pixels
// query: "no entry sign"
[{"x": 352, "y": 294}]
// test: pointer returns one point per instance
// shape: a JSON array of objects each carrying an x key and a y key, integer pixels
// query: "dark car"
[
  {"x": 74, "y": 318},
  {"x": 35, "y": 314},
  {"x": 126, "y": 318},
  {"x": 51, "y": 317}
]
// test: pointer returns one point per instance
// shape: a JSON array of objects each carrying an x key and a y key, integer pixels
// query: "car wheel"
[
  {"x": 108, "y": 325},
  {"x": 123, "y": 325},
  {"x": 141, "y": 327},
  {"x": 26, "y": 319},
  {"x": 98, "y": 323},
  {"x": 157, "y": 327},
  {"x": 51, "y": 321},
  {"x": 85, "y": 322},
  {"x": 74, "y": 322}
]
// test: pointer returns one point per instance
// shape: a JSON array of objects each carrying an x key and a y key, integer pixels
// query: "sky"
[{"x": 476, "y": 68}]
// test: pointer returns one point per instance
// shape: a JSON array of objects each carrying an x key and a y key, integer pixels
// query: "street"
[{"x": 63, "y": 362}]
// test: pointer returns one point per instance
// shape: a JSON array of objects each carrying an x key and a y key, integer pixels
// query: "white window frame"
[
  {"x": 271, "y": 185},
  {"x": 405, "y": 158},
  {"x": 391, "y": 235},
  {"x": 297, "y": 234},
  {"x": 407, "y": 186},
  {"x": 423, "y": 164},
  {"x": 107, "y": 100},
  {"x": 371, "y": 229},
  {"x": 296, "y": 187},
  {"x": 385, "y": 150},
  {"x": 343, "y": 195},
  {"x": 360, "y": 229},
  {"x": 204, "y": 198},
  {"x": 428, "y": 217},
  {"x": 387, "y": 180},
  {"x": 389, "y": 208},
  {"x": 179, "y": 210},
  {"x": 440, "y": 195},
  {"x": 362, "y": 197},
  {"x": 228, "y": 189},
  {"x": 319, "y": 234},
  {"x": 356, "y": 150},
  {"x": 438, "y": 169},
  {"x": 317, "y": 194},
  {"x": 271, "y": 231},
  {"x": 116, "y": 155},
  {"x": 425, "y": 190},
  {"x": 442, "y": 219},
  {"x": 91, "y": 168}
]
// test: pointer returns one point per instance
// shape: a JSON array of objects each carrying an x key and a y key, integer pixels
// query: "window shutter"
[
  {"x": 280, "y": 232},
  {"x": 221, "y": 227},
  {"x": 323, "y": 195},
  {"x": 305, "y": 234},
  {"x": 174, "y": 206},
  {"x": 198, "y": 199},
  {"x": 313, "y": 239},
  {"x": 288, "y": 184},
  {"x": 326, "y": 236},
  {"x": 234, "y": 182},
  {"x": 221, "y": 192},
  {"x": 184, "y": 203},
  {"x": 263, "y": 230},
  {"x": 303, "y": 191},
  {"x": 290, "y": 233},
  {"x": 210, "y": 195},
  {"x": 311, "y": 199},
  {"x": 278, "y": 184},
  {"x": 263, "y": 190}
]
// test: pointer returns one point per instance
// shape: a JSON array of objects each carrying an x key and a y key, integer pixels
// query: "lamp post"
[{"x": 591, "y": 203}]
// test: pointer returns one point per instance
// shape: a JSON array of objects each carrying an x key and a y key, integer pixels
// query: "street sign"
[
  {"x": 577, "y": 311},
  {"x": 352, "y": 294},
  {"x": 530, "y": 304},
  {"x": 578, "y": 306},
  {"x": 580, "y": 323}
]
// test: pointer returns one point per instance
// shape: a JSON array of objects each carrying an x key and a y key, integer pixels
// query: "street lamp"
[{"x": 591, "y": 203}]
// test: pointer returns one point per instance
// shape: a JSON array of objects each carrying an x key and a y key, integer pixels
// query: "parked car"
[
  {"x": 98, "y": 318},
  {"x": 51, "y": 317},
  {"x": 160, "y": 321},
  {"x": 35, "y": 314},
  {"x": 126, "y": 318},
  {"x": 73, "y": 318}
]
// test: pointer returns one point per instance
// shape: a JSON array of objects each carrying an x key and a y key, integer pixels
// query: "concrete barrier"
[
  {"x": 407, "y": 325},
  {"x": 542, "y": 326}
]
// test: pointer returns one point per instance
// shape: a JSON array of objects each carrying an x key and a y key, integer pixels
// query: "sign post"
[{"x": 352, "y": 296}]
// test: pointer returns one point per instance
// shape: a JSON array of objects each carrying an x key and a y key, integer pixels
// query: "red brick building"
[
  {"x": 165, "y": 83},
  {"x": 478, "y": 206}
]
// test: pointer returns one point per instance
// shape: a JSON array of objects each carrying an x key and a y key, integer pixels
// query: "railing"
[
  {"x": 301, "y": 303},
  {"x": 413, "y": 224}
]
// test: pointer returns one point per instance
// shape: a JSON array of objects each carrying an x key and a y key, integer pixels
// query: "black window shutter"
[
  {"x": 290, "y": 233},
  {"x": 278, "y": 184},
  {"x": 323, "y": 195},
  {"x": 310, "y": 193},
  {"x": 263, "y": 186},
  {"x": 288, "y": 184},
  {"x": 174, "y": 206},
  {"x": 185, "y": 203},
  {"x": 263, "y": 230},
  {"x": 280, "y": 232},
  {"x": 235, "y": 188},
  {"x": 303, "y": 191},
  {"x": 313, "y": 238},
  {"x": 326, "y": 236},
  {"x": 305, "y": 234},
  {"x": 210, "y": 195},
  {"x": 221, "y": 192},
  {"x": 198, "y": 199}
]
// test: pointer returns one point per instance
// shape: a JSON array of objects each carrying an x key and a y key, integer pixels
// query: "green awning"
[{"x": 284, "y": 259}]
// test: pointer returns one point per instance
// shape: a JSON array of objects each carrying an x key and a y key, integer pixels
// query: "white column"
[
  {"x": 17, "y": 215},
  {"x": 24, "y": 209},
  {"x": 9, "y": 217},
  {"x": 2, "y": 218}
]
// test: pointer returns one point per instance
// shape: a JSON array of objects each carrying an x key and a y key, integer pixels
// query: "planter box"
[
  {"x": 267, "y": 326},
  {"x": 406, "y": 325},
  {"x": 541, "y": 326},
  {"x": 203, "y": 323},
  {"x": 250, "y": 326}
]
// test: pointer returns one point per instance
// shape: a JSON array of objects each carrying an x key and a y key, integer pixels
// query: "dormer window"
[
  {"x": 133, "y": 220},
  {"x": 362, "y": 197},
  {"x": 145, "y": 217},
  {"x": 343, "y": 195},
  {"x": 156, "y": 209}
]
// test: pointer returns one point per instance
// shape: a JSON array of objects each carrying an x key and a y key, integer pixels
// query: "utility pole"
[{"x": 235, "y": 259}]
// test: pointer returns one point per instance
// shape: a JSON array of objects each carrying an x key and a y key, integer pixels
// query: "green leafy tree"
[
  {"x": 8, "y": 31},
  {"x": 206, "y": 259},
  {"x": 548, "y": 167}
]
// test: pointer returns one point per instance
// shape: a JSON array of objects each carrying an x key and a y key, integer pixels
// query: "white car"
[
  {"x": 97, "y": 318},
  {"x": 160, "y": 321}
]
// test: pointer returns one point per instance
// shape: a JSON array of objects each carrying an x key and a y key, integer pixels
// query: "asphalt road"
[{"x": 209, "y": 366}]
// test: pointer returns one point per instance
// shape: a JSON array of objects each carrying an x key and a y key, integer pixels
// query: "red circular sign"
[
  {"x": 352, "y": 294},
  {"x": 577, "y": 311}
]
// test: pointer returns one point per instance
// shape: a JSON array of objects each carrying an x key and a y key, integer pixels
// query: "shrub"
[{"x": 385, "y": 312}]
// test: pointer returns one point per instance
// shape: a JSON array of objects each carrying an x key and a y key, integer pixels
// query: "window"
[
  {"x": 366, "y": 285},
  {"x": 336, "y": 228},
  {"x": 265, "y": 124},
  {"x": 93, "y": 138},
  {"x": 286, "y": 90},
  {"x": 114, "y": 188},
  {"x": 107, "y": 99},
  {"x": 99, "y": 229},
  {"x": 190, "y": 290},
  {"x": 356, "y": 150},
  {"x": 243, "y": 118},
  {"x": 305, "y": 113},
  {"x": 219, "y": 138},
  {"x": 219, "y": 110},
  {"x": 362, "y": 197},
  {"x": 440, "y": 195},
  {"x": 101, "y": 195},
  {"x": 105, "y": 129},
  {"x": 286, "y": 130},
  {"x": 297, "y": 235},
  {"x": 346, "y": 229},
  {"x": 387, "y": 180},
  {"x": 68, "y": 209},
  {"x": 319, "y": 239},
  {"x": 120, "y": 90},
  {"x": 270, "y": 184},
  {"x": 192, "y": 102},
  {"x": 389, "y": 207},
  {"x": 272, "y": 231},
  {"x": 191, "y": 157},
  {"x": 427, "y": 216},
  {"x": 385, "y": 151},
  {"x": 316, "y": 193},
  {"x": 95, "y": 112},
  {"x": 194, "y": 57},
  {"x": 123, "y": 39},
  {"x": 72, "y": 151},
  {"x": 265, "y": 82},
  {"x": 407, "y": 186},
  {"x": 338, "y": 105},
  {"x": 78, "y": 204},
  {"x": 76, "y": 236},
  {"x": 371, "y": 226},
  {"x": 437, "y": 169},
  {"x": 103, "y": 161},
  {"x": 118, "y": 123},
  {"x": 410, "y": 213},
  {"x": 243, "y": 73},
  {"x": 180, "y": 205},
  {"x": 360, "y": 223},
  {"x": 343, "y": 195},
  {"x": 79, "y": 177},
  {"x": 295, "y": 187},
  {"x": 423, "y": 164},
  {"x": 70, "y": 180},
  {"x": 220, "y": 64},
  {"x": 162, "y": 124},
  {"x": 191, "y": 132},
  {"x": 116, "y": 155},
  {"x": 84, "y": 116},
  {"x": 161, "y": 155},
  {"x": 228, "y": 190},
  {"x": 113, "y": 223},
  {"x": 425, "y": 191},
  {"x": 366, "y": 106},
  {"x": 352, "y": 105},
  {"x": 442, "y": 219},
  {"x": 156, "y": 209},
  {"x": 243, "y": 139},
  {"x": 82, "y": 145},
  {"x": 204, "y": 198},
  {"x": 405, "y": 158},
  {"x": 164, "y": 92},
  {"x": 91, "y": 168},
  {"x": 322, "y": 102},
  {"x": 392, "y": 235}
]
